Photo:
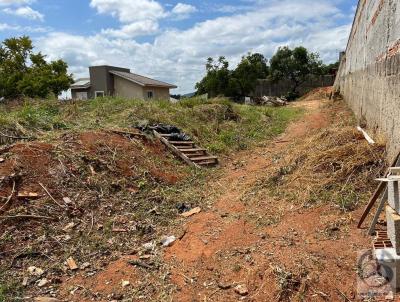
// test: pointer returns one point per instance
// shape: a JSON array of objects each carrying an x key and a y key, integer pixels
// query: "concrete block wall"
[
  {"x": 369, "y": 73},
  {"x": 281, "y": 88}
]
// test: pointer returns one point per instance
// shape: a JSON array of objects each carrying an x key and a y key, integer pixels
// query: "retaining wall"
[
  {"x": 369, "y": 73},
  {"x": 270, "y": 88}
]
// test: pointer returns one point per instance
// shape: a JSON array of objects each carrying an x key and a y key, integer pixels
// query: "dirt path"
[{"x": 269, "y": 251}]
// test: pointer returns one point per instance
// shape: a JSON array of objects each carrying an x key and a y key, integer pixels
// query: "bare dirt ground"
[{"x": 238, "y": 250}]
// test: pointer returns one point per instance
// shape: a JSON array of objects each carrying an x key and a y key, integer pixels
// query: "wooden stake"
[{"x": 379, "y": 190}]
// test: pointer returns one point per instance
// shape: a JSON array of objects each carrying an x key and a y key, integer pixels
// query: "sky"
[{"x": 171, "y": 40}]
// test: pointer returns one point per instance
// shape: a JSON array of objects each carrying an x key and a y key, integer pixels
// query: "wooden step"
[
  {"x": 204, "y": 158},
  {"x": 181, "y": 142},
  {"x": 184, "y": 150},
  {"x": 207, "y": 163}
]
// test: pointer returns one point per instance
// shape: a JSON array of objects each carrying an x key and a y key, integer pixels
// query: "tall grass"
[{"x": 217, "y": 124}]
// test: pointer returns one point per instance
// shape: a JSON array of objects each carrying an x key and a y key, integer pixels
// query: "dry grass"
[{"x": 334, "y": 165}]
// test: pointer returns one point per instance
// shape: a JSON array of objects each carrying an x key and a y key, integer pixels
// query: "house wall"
[
  {"x": 159, "y": 93},
  {"x": 127, "y": 89},
  {"x": 102, "y": 80},
  {"x": 369, "y": 73},
  {"x": 75, "y": 91}
]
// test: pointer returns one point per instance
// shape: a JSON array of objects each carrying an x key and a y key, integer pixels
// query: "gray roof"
[
  {"x": 81, "y": 84},
  {"x": 141, "y": 80}
]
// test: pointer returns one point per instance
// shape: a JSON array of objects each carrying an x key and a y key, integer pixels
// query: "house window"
[
  {"x": 150, "y": 94},
  {"x": 99, "y": 94}
]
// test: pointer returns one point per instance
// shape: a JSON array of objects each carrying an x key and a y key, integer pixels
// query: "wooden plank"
[
  {"x": 204, "y": 158},
  {"x": 192, "y": 150},
  {"x": 379, "y": 190},
  {"x": 176, "y": 151},
  {"x": 378, "y": 212},
  {"x": 208, "y": 163},
  {"x": 181, "y": 142}
]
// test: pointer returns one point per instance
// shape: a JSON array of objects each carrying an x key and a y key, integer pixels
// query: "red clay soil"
[
  {"x": 143, "y": 154},
  {"x": 34, "y": 162},
  {"x": 223, "y": 247},
  {"x": 29, "y": 164}
]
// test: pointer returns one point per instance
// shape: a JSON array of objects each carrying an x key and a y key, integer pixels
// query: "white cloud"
[
  {"x": 132, "y": 30},
  {"x": 25, "y": 12},
  {"x": 128, "y": 11},
  {"x": 15, "y": 2},
  {"x": 178, "y": 56},
  {"x": 182, "y": 10},
  {"x": 24, "y": 29}
]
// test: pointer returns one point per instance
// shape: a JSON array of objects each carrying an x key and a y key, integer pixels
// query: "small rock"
[
  {"x": 67, "y": 200},
  {"x": 390, "y": 296},
  {"x": 25, "y": 281},
  {"x": 149, "y": 246},
  {"x": 43, "y": 282},
  {"x": 125, "y": 283},
  {"x": 168, "y": 241},
  {"x": 223, "y": 285},
  {"x": 45, "y": 299},
  {"x": 242, "y": 290},
  {"x": 68, "y": 227},
  {"x": 35, "y": 271},
  {"x": 2, "y": 160},
  {"x": 85, "y": 265}
]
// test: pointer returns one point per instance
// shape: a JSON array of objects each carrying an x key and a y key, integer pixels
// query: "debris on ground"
[
  {"x": 72, "y": 264},
  {"x": 168, "y": 241},
  {"x": 271, "y": 101},
  {"x": 191, "y": 212},
  {"x": 241, "y": 290}
]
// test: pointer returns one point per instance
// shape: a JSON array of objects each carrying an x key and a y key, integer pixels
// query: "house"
[{"x": 116, "y": 81}]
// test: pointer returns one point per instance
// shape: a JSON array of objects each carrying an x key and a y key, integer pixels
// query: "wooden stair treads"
[
  {"x": 203, "y": 158},
  {"x": 179, "y": 143},
  {"x": 188, "y": 151}
]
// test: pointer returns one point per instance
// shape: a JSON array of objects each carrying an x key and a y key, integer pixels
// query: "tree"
[
  {"x": 251, "y": 68},
  {"x": 219, "y": 80},
  {"x": 295, "y": 65},
  {"x": 216, "y": 82},
  {"x": 25, "y": 73}
]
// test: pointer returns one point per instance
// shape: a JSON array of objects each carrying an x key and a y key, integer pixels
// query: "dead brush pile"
[{"x": 334, "y": 165}]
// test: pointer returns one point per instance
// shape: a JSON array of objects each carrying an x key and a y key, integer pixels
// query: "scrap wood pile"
[
  {"x": 81, "y": 200},
  {"x": 335, "y": 165}
]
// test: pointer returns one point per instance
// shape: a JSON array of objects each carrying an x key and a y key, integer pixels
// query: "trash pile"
[
  {"x": 174, "y": 132},
  {"x": 271, "y": 101}
]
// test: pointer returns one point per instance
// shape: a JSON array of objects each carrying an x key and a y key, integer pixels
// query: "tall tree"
[
  {"x": 217, "y": 79},
  {"x": 251, "y": 68},
  {"x": 296, "y": 65},
  {"x": 25, "y": 73}
]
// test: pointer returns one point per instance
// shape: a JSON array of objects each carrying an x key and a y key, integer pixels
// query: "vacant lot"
[{"x": 277, "y": 220}]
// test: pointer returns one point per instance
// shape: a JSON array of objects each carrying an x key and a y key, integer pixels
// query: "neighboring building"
[{"x": 115, "y": 81}]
